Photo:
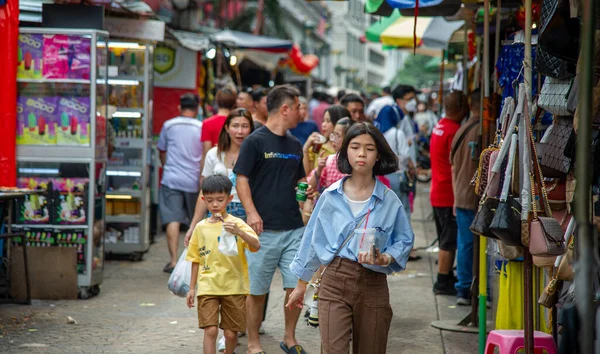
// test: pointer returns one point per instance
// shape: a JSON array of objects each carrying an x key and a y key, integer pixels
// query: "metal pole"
[
  {"x": 528, "y": 262},
  {"x": 486, "y": 48},
  {"x": 585, "y": 239},
  {"x": 484, "y": 143},
  {"x": 527, "y": 56},
  {"x": 497, "y": 40},
  {"x": 465, "y": 60}
]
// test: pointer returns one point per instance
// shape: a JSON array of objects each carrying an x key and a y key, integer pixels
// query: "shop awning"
[
  {"x": 242, "y": 40},
  {"x": 197, "y": 42}
]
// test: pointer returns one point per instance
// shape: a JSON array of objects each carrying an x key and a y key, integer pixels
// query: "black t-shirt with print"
[{"x": 273, "y": 165}]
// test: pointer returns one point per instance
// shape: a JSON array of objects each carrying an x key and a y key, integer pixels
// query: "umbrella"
[
  {"x": 373, "y": 33},
  {"x": 432, "y": 32}
]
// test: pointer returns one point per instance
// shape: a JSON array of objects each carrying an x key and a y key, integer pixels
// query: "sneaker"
[
  {"x": 444, "y": 289},
  {"x": 261, "y": 330},
  {"x": 463, "y": 301},
  {"x": 221, "y": 345}
]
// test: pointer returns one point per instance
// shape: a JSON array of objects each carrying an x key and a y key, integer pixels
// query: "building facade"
[{"x": 356, "y": 64}]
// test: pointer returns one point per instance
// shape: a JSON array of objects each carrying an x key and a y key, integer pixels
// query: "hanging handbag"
[
  {"x": 554, "y": 95},
  {"x": 559, "y": 34},
  {"x": 549, "y": 297},
  {"x": 547, "y": 64},
  {"x": 484, "y": 216},
  {"x": 564, "y": 263},
  {"x": 506, "y": 224},
  {"x": 553, "y": 160},
  {"x": 545, "y": 233}
]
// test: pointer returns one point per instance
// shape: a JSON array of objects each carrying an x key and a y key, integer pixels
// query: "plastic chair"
[{"x": 509, "y": 342}]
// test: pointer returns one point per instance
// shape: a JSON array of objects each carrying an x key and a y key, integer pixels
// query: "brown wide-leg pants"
[{"x": 353, "y": 301}]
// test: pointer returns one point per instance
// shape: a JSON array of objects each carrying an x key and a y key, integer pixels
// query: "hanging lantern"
[{"x": 300, "y": 63}]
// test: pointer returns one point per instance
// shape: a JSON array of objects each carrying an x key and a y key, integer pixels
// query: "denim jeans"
[
  {"x": 464, "y": 251},
  {"x": 235, "y": 209},
  {"x": 395, "y": 179}
]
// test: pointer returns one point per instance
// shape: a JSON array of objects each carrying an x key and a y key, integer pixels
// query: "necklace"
[{"x": 230, "y": 158}]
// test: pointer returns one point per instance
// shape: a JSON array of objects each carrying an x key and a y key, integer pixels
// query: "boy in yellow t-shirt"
[{"x": 222, "y": 280}]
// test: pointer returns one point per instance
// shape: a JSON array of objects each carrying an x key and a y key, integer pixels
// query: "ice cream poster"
[
  {"x": 35, "y": 208},
  {"x": 30, "y": 56},
  {"x": 73, "y": 121},
  {"x": 66, "y": 57},
  {"x": 36, "y": 120},
  {"x": 71, "y": 200}
]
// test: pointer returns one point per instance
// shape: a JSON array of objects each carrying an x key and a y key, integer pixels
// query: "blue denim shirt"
[{"x": 332, "y": 221}]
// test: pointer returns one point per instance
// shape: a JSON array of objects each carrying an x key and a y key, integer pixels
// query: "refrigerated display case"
[
  {"x": 128, "y": 198},
  {"x": 62, "y": 144}
]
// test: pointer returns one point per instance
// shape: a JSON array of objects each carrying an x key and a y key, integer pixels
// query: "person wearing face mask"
[{"x": 425, "y": 119}]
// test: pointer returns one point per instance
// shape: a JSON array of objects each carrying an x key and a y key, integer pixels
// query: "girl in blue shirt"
[{"x": 353, "y": 293}]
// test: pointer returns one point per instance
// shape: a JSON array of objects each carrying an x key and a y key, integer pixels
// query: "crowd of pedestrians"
[{"x": 271, "y": 170}]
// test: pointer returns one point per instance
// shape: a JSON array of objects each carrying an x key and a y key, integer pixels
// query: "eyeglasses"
[{"x": 333, "y": 137}]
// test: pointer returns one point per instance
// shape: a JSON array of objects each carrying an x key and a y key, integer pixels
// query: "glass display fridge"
[
  {"x": 62, "y": 144},
  {"x": 130, "y": 76}
]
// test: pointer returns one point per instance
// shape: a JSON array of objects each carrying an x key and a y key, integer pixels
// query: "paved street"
[{"x": 135, "y": 313}]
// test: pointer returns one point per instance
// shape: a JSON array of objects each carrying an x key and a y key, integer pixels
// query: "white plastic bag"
[
  {"x": 179, "y": 281},
  {"x": 228, "y": 244}
]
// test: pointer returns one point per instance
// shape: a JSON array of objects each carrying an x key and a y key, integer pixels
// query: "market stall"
[{"x": 538, "y": 140}]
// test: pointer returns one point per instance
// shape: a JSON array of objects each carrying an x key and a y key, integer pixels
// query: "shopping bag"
[
  {"x": 179, "y": 281},
  {"x": 228, "y": 244}
]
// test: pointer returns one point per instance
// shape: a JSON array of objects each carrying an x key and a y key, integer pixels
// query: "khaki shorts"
[{"x": 231, "y": 308}]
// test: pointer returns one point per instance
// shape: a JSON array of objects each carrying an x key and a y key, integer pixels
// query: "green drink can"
[{"x": 301, "y": 191}]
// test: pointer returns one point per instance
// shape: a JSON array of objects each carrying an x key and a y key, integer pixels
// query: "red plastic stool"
[{"x": 509, "y": 342}]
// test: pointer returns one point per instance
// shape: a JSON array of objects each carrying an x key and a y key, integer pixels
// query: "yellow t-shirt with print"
[
  {"x": 219, "y": 274},
  {"x": 325, "y": 151}
]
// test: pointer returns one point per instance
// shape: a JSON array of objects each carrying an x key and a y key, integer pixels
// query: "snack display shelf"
[
  {"x": 133, "y": 193},
  {"x": 56, "y": 227},
  {"x": 131, "y": 143},
  {"x": 124, "y": 168},
  {"x": 123, "y": 219},
  {"x": 56, "y": 81},
  {"x": 130, "y": 82},
  {"x": 62, "y": 144}
]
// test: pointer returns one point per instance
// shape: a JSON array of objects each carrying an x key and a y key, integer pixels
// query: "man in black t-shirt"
[{"x": 268, "y": 170}]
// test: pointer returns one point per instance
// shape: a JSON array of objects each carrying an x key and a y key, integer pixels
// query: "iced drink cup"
[
  {"x": 366, "y": 241},
  {"x": 317, "y": 146}
]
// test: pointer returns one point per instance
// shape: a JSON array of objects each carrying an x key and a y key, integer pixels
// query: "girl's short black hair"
[
  {"x": 216, "y": 184},
  {"x": 337, "y": 112},
  {"x": 387, "y": 161}
]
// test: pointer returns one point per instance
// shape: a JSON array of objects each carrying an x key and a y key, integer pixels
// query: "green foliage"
[
  {"x": 417, "y": 74},
  {"x": 273, "y": 19}
]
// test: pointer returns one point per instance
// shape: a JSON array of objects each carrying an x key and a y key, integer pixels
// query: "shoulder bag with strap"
[{"x": 461, "y": 138}]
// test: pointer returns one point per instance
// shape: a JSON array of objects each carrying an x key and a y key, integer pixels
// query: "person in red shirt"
[
  {"x": 211, "y": 127},
  {"x": 441, "y": 195}
]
